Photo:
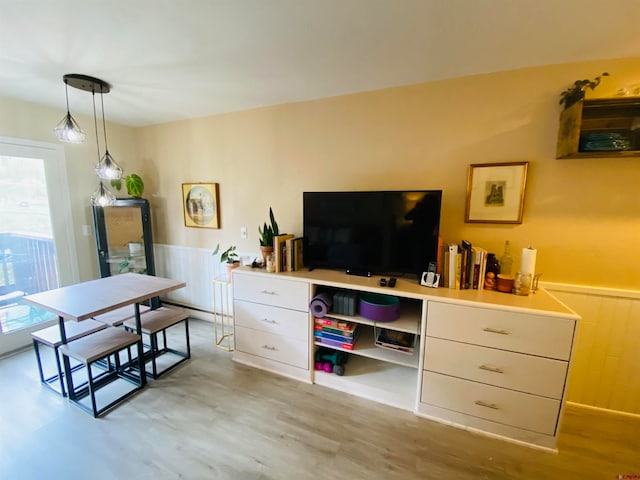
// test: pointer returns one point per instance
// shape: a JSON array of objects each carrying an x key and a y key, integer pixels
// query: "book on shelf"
[
  {"x": 479, "y": 267},
  {"x": 399, "y": 341},
  {"x": 334, "y": 343},
  {"x": 294, "y": 254},
  {"x": 466, "y": 267},
  {"x": 345, "y": 332},
  {"x": 279, "y": 250},
  {"x": 337, "y": 337},
  {"x": 452, "y": 251},
  {"x": 343, "y": 325},
  {"x": 457, "y": 271}
]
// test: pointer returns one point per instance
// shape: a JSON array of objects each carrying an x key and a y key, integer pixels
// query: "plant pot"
[
  {"x": 266, "y": 251},
  {"x": 230, "y": 267}
]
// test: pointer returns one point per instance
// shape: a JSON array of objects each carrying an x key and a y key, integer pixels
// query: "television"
[{"x": 372, "y": 232}]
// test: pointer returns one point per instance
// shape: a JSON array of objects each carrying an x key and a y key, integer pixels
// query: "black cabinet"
[{"x": 123, "y": 237}]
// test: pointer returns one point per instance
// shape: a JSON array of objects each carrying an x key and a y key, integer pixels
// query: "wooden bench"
[
  {"x": 96, "y": 351},
  {"x": 158, "y": 321},
  {"x": 50, "y": 337}
]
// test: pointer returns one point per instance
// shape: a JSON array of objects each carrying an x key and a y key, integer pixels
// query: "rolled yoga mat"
[{"x": 320, "y": 304}]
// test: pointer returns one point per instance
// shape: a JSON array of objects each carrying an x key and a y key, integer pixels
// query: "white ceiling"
[{"x": 175, "y": 59}]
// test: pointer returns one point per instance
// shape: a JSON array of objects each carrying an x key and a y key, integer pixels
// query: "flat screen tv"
[{"x": 381, "y": 232}]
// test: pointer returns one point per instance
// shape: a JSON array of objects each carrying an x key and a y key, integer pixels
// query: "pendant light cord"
[
  {"x": 66, "y": 93},
  {"x": 95, "y": 123},
  {"x": 104, "y": 125}
]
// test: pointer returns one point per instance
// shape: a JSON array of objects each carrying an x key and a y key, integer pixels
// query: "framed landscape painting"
[
  {"x": 495, "y": 192},
  {"x": 201, "y": 205}
]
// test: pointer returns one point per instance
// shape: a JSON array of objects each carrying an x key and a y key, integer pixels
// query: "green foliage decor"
[
  {"x": 228, "y": 256},
  {"x": 133, "y": 183},
  {"x": 267, "y": 232},
  {"x": 576, "y": 92}
]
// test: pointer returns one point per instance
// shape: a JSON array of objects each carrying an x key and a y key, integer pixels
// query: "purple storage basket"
[{"x": 381, "y": 308}]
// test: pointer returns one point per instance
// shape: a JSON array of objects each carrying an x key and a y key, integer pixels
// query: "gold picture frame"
[
  {"x": 495, "y": 192},
  {"x": 200, "y": 204}
]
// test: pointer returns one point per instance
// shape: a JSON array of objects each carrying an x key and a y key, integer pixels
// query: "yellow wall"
[
  {"x": 582, "y": 215},
  {"x": 29, "y": 121}
]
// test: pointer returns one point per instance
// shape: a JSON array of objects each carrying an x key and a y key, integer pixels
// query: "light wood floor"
[{"x": 214, "y": 419}]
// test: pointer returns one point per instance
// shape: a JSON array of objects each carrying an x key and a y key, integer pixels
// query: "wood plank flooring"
[{"x": 214, "y": 419}]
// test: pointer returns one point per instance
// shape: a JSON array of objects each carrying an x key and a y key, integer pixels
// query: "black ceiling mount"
[{"x": 86, "y": 83}]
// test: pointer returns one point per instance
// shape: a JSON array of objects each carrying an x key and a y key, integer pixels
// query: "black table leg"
[
  {"x": 143, "y": 374},
  {"x": 65, "y": 359}
]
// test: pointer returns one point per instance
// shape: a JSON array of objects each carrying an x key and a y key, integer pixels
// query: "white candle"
[{"x": 528, "y": 262}]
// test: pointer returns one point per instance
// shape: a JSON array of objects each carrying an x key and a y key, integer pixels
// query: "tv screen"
[{"x": 383, "y": 232}]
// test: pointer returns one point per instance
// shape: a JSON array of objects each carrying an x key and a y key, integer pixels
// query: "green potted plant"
[
  {"x": 133, "y": 183},
  {"x": 267, "y": 232},
  {"x": 575, "y": 92},
  {"x": 230, "y": 257}
]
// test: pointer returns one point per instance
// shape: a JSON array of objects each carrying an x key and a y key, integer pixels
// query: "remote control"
[{"x": 392, "y": 282}]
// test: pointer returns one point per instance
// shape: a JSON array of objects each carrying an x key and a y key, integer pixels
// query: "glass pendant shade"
[
  {"x": 68, "y": 130},
  {"x": 102, "y": 197},
  {"x": 107, "y": 168}
]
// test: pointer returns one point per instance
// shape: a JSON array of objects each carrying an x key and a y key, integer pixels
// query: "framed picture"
[
  {"x": 200, "y": 205},
  {"x": 495, "y": 192}
]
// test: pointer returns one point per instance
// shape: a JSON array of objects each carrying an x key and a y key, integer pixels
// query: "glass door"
[{"x": 29, "y": 238}]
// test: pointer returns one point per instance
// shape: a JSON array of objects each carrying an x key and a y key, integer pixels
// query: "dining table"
[{"x": 85, "y": 300}]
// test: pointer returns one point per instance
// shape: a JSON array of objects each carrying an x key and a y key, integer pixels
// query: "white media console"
[{"x": 486, "y": 361}]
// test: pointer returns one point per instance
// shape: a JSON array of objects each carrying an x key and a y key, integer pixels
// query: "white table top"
[{"x": 88, "y": 299}]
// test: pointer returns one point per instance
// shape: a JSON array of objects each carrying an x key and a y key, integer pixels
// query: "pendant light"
[
  {"x": 107, "y": 168},
  {"x": 102, "y": 196},
  {"x": 68, "y": 130}
]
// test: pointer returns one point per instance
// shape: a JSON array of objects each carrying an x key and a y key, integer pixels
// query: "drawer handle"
[
  {"x": 492, "y": 406},
  {"x": 267, "y": 347},
  {"x": 491, "y": 369},
  {"x": 268, "y": 292},
  {"x": 493, "y": 330},
  {"x": 266, "y": 320}
]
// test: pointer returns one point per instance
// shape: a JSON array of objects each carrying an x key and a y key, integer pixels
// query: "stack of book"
[
  {"x": 463, "y": 266},
  {"x": 287, "y": 250},
  {"x": 335, "y": 333}
]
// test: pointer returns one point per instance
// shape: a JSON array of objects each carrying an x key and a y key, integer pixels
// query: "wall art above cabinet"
[{"x": 605, "y": 127}]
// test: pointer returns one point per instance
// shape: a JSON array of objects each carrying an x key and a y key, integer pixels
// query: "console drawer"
[
  {"x": 516, "y": 371},
  {"x": 270, "y": 290},
  {"x": 274, "y": 347},
  {"x": 518, "y": 332},
  {"x": 522, "y": 410},
  {"x": 274, "y": 320}
]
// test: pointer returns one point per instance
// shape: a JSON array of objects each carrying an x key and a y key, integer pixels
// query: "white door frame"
[{"x": 61, "y": 219}]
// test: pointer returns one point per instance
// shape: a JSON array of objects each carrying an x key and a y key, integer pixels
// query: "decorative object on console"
[
  {"x": 267, "y": 233},
  {"x": 495, "y": 192},
  {"x": 201, "y": 205},
  {"x": 504, "y": 283},
  {"x": 230, "y": 257}
]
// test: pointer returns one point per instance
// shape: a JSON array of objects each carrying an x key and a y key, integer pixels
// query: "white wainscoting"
[
  {"x": 606, "y": 366},
  {"x": 195, "y": 266}
]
